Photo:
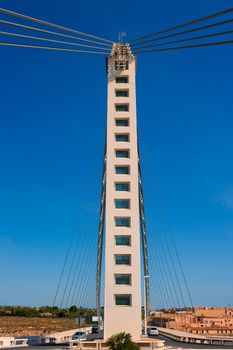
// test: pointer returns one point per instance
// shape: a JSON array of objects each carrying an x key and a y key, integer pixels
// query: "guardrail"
[{"x": 194, "y": 338}]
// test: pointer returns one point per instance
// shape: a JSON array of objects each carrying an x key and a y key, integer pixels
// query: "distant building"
[{"x": 211, "y": 321}]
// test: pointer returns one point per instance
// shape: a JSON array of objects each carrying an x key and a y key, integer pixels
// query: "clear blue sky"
[{"x": 49, "y": 167}]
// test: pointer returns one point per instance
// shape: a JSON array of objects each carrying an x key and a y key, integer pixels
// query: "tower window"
[
  {"x": 123, "y": 107},
  {"x": 123, "y": 240},
  {"x": 123, "y": 299},
  {"x": 122, "y": 186},
  {"x": 122, "y": 204},
  {"x": 122, "y": 80},
  {"x": 122, "y": 93},
  {"x": 122, "y": 170},
  {"x": 121, "y": 65},
  {"x": 122, "y": 122},
  {"x": 122, "y": 222},
  {"x": 123, "y": 259},
  {"x": 122, "y": 137},
  {"x": 123, "y": 279},
  {"x": 122, "y": 153}
]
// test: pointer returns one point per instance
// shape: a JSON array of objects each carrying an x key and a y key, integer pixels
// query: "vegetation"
[
  {"x": 121, "y": 341},
  {"x": 46, "y": 311},
  {"x": 34, "y": 326}
]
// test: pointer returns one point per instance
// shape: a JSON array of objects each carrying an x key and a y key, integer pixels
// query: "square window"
[
  {"x": 122, "y": 204},
  {"x": 123, "y": 107},
  {"x": 122, "y": 222},
  {"x": 123, "y": 259},
  {"x": 122, "y": 153},
  {"x": 122, "y": 80},
  {"x": 121, "y": 65},
  {"x": 122, "y": 93},
  {"x": 122, "y": 122},
  {"x": 122, "y": 186},
  {"x": 123, "y": 299},
  {"x": 122, "y": 170},
  {"x": 123, "y": 279},
  {"x": 122, "y": 137},
  {"x": 123, "y": 240}
]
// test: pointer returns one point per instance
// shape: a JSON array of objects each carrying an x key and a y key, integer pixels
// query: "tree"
[
  {"x": 73, "y": 309},
  {"x": 121, "y": 341}
]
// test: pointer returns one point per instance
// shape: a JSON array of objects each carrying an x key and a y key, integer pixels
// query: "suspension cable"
[
  {"x": 172, "y": 238},
  {"x": 64, "y": 265},
  {"x": 158, "y": 280},
  {"x": 49, "y": 48},
  {"x": 85, "y": 195},
  {"x": 52, "y": 32},
  {"x": 217, "y": 14},
  {"x": 185, "y": 32},
  {"x": 180, "y": 264},
  {"x": 16, "y": 14},
  {"x": 173, "y": 265},
  {"x": 165, "y": 267},
  {"x": 82, "y": 255},
  {"x": 189, "y": 39},
  {"x": 80, "y": 259},
  {"x": 52, "y": 40},
  {"x": 226, "y": 42},
  {"x": 156, "y": 289},
  {"x": 161, "y": 280}
]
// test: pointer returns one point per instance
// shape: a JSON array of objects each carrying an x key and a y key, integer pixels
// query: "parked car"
[
  {"x": 95, "y": 330},
  {"x": 152, "y": 331},
  {"x": 79, "y": 335}
]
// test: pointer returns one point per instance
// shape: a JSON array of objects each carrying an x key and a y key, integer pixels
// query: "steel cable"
[
  {"x": 13, "y": 24},
  {"x": 185, "y": 32},
  {"x": 148, "y": 160},
  {"x": 170, "y": 274},
  {"x": 84, "y": 195},
  {"x": 52, "y": 40},
  {"x": 163, "y": 285},
  {"x": 164, "y": 268},
  {"x": 188, "y": 39},
  {"x": 75, "y": 254},
  {"x": 49, "y": 48},
  {"x": 73, "y": 287},
  {"x": 226, "y": 42},
  {"x": 19, "y": 15},
  {"x": 157, "y": 286},
  {"x": 217, "y": 14}
]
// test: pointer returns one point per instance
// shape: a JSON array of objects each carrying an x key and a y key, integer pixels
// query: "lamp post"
[{"x": 145, "y": 305}]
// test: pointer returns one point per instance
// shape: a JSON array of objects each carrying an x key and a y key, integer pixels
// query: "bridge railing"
[{"x": 195, "y": 338}]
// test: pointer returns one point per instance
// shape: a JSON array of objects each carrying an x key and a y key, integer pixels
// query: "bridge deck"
[{"x": 195, "y": 338}]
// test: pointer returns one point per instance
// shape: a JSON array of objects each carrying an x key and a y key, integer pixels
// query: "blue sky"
[{"x": 50, "y": 175}]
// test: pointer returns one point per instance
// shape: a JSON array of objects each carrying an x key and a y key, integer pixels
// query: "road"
[{"x": 168, "y": 345}]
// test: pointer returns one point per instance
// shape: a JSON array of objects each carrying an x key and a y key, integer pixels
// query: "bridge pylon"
[{"x": 122, "y": 217}]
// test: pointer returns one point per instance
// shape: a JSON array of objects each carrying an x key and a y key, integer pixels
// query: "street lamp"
[{"x": 145, "y": 305}]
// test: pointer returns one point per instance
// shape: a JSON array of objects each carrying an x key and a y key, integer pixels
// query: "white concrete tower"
[{"x": 122, "y": 295}]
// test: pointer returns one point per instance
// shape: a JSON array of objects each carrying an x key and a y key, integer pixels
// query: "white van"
[{"x": 153, "y": 331}]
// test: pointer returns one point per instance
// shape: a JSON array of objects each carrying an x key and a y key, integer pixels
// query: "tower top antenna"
[{"x": 121, "y": 35}]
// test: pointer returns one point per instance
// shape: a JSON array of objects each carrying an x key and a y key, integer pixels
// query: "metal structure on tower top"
[{"x": 121, "y": 51}]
